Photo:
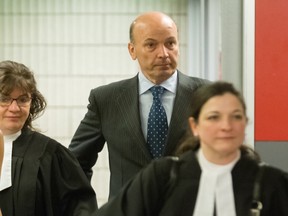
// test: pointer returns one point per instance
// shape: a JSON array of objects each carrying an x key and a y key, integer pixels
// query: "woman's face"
[
  {"x": 220, "y": 128},
  {"x": 13, "y": 116}
]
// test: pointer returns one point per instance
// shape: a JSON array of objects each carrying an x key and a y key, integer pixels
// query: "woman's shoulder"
[
  {"x": 44, "y": 144},
  {"x": 172, "y": 165},
  {"x": 43, "y": 139},
  {"x": 162, "y": 165},
  {"x": 171, "y": 161},
  {"x": 274, "y": 174}
]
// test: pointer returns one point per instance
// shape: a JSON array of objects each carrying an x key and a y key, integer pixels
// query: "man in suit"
[{"x": 118, "y": 112}]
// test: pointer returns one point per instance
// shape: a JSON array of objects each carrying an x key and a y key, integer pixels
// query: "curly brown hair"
[{"x": 16, "y": 75}]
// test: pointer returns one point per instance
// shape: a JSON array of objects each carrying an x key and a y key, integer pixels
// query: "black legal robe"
[
  {"x": 156, "y": 191},
  {"x": 46, "y": 180}
]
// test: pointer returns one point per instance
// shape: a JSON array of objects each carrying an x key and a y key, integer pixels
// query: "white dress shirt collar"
[
  {"x": 215, "y": 188},
  {"x": 169, "y": 84},
  {"x": 6, "y": 172}
]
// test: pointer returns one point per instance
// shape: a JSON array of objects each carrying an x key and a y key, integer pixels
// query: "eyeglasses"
[{"x": 22, "y": 101}]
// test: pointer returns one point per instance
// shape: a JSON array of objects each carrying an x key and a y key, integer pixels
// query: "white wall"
[{"x": 73, "y": 46}]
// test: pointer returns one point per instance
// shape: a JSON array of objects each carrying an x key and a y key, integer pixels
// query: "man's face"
[{"x": 156, "y": 47}]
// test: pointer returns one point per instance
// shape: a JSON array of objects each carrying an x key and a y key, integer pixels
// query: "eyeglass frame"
[{"x": 22, "y": 104}]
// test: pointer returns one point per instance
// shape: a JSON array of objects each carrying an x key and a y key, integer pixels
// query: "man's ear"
[
  {"x": 193, "y": 126},
  {"x": 131, "y": 49}
]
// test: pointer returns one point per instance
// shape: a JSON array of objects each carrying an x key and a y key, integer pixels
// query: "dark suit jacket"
[
  {"x": 113, "y": 117},
  {"x": 152, "y": 193}
]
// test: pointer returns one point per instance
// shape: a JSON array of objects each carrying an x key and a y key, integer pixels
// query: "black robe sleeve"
[
  {"x": 274, "y": 192},
  {"x": 47, "y": 180},
  {"x": 62, "y": 181},
  {"x": 142, "y": 195}
]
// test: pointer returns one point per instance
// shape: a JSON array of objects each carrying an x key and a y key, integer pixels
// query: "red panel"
[{"x": 271, "y": 70}]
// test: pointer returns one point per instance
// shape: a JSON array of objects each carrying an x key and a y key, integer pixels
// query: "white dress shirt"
[{"x": 146, "y": 98}]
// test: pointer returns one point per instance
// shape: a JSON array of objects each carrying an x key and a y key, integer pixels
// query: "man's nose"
[{"x": 163, "y": 52}]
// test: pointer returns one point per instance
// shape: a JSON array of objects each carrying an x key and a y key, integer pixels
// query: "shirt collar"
[
  {"x": 216, "y": 168},
  {"x": 6, "y": 172},
  {"x": 170, "y": 84},
  {"x": 11, "y": 137}
]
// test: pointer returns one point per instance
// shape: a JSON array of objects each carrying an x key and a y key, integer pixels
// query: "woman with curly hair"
[{"x": 39, "y": 176}]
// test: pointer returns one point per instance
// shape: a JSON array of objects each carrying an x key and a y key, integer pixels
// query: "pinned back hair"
[{"x": 201, "y": 96}]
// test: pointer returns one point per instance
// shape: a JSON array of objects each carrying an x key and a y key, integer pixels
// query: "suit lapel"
[
  {"x": 179, "y": 119},
  {"x": 128, "y": 105}
]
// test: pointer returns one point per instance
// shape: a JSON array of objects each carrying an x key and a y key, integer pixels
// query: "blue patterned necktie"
[{"x": 157, "y": 124}]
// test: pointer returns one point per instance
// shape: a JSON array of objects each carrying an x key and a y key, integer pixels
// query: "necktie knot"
[{"x": 157, "y": 91}]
